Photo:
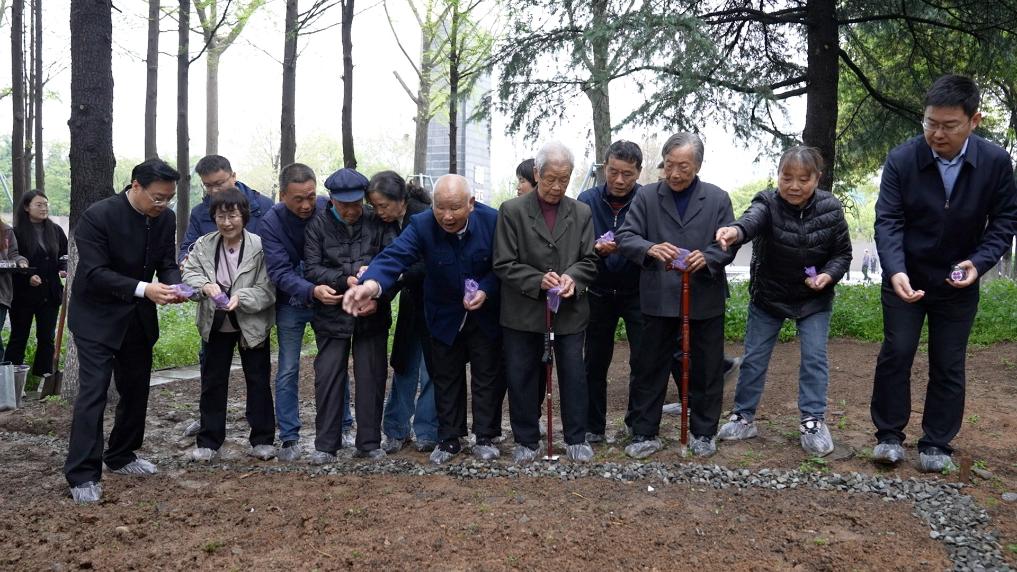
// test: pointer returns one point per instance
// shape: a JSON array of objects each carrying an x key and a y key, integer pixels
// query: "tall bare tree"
[
  {"x": 18, "y": 99},
  {"x": 40, "y": 171},
  {"x": 219, "y": 31},
  {"x": 152, "y": 80},
  {"x": 183, "y": 136},
  {"x": 288, "y": 116},
  {"x": 349, "y": 157}
]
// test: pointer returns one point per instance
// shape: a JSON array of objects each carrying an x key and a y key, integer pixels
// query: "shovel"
[{"x": 51, "y": 382}]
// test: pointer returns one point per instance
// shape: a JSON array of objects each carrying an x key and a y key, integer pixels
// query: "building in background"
[{"x": 473, "y": 145}]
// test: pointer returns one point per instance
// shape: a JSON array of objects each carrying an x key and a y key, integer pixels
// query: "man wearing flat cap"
[{"x": 339, "y": 242}]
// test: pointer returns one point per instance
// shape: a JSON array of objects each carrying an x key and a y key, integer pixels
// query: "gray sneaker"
[
  {"x": 263, "y": 452},
  {"x": 642, "y": 447},
  {"x": 445, "y": 451},
  {"x": 737, "y": 428},
  {"x": 485, "y": 450},
  {"x": 202, "y": 455},
  {"x": 349, "y": 438},
  {"x": 935, "y": 460},
  {"x": 289, "y": 452},
  {"x": 87, "y": 493},
  {"x": 815, "y": 437},
  {"x": 523, "y": 454},
  {"x": 392, "y": 445},
  {"x": 321, "y": 458},
  {"x": 138, "y": 466},
  {"x": 596, "y": 438},
  {"x": 889, "y": 452},
  {"x": 424, "y": 445},
  {"x": 672, "y": 408},
  {"x": 192, "y": 429},
  {"x": 580, "y": 452},
  {"x": 373, "y": 454},
  {"x": 703, "y": 446}
]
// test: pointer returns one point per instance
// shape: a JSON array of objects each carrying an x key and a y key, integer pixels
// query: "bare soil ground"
[{"x": 242, "y": 514}]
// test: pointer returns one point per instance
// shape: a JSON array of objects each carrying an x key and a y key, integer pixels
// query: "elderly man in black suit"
[
  {"x": 680, "y": 211},
  {"x": 123, "y": 241}
]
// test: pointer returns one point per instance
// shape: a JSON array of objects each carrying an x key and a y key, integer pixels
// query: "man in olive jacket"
[
  {"x": 679, "y": 212},
  {"x": 544, "y": 241}
]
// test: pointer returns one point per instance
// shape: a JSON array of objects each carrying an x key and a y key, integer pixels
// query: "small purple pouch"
[
  {"x": 606, "y": 237},
  {"x": 183, "y": 290},
  {"x": 682, "y": 262},
  {"x": 221, "y": 301},
  {"x": 810, "y": 271},
  {"x": 554, "y": 299},
  {"x": 957, "y": 273},
  {"x": 470, "y": 289}
]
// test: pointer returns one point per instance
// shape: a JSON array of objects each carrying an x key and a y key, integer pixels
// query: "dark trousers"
[
  {"x": 951, "y": 315},
  {"x": 605, "y": 311},
  {"x": 215, "y": 376},
  {"x": 132, "y": 364},
  {"x": 45, "y": 316},
  {"x": 331, "y": 376},
  {"x": 523, "y": 352},
  {"x": 487, "y": 383},
  {"x": 706, "y": 374}
]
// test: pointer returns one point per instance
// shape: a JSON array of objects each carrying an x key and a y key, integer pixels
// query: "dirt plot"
[{"x": 234, "y": 516}]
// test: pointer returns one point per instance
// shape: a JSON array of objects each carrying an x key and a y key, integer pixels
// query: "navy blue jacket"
[
  {"x": 282, "y": 240},
  {"x": 614, "y": 272},
  {"x": 449, "y": 261},
  {"x": 201, "y": 222},
  {"x": 922, "y": 234}
]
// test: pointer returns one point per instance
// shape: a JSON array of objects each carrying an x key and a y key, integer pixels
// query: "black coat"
[
  {"x": 117, "y": 248},
  {"x": 48, "y": 266},
  {"x": 331, "y": 255},
  {"x": 786, "y": 240},
  {"x": 410, "y": 324}
]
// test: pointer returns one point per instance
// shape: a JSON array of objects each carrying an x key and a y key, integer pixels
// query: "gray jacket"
[
  {"x": 255, "y": 292},
  {"x": 11, "y": 253},
  {"x": 652, "y": 219}
]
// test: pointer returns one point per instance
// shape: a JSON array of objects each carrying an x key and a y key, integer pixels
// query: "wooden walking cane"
[
  {"x": 685, "y": 363},
  {"x": 51, "y": 382},
  {"x": 548, "y": 360}
]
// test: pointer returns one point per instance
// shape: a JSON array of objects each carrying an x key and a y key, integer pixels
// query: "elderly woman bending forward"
[
  {"x": 801, "y": 248},
  {"x": 236, "y": 306}
]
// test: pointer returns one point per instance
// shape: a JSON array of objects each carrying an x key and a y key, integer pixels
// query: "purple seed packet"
[
  {"x": 221, "y": 301},
  {"x": 183, "y": 290},
  {"x": 682, "y": 262},
  {"x": 810, "y": 271},
  {"x": 606, "y": 237},
  {"x": 470, "y": 289},
  {"x": 957, "y": 273},
  {"x": 554, "y": 299}
]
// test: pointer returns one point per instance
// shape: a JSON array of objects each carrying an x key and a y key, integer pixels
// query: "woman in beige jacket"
[{"x": 236, "y": 307}]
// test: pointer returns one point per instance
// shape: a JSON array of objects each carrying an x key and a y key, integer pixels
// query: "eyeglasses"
[
  {"x": 159, "y": 202},
  {"x": 946, "y": 128},
  {"x": 232, "y": 217},
  {"x": 218, "y": 185}
]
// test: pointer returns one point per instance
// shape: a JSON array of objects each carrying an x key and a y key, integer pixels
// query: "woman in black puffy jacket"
[{"x": 801, "y": 248}]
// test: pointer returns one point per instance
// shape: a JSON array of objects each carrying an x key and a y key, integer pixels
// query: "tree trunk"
[
  {"x": 599, "y": 89},
  {"x": 30, "y": 99},
  {"x": 288, "y": 117},
  {"x": 423, "y": 105},
  {"x": 40, "y": 172},
  {"x": 212, "y": 96},
  {"x": 349, "y": 157},
  {"x": 823, "y": 73},
  {"x": 18, "y": 100},
  {"x": 152, "y": 80},
  {"x": 91, "y": 122},
  {"x": 454, "y": 58},
  {"x": 183, "y": 141},
  {"x": 69, "y": 384}
]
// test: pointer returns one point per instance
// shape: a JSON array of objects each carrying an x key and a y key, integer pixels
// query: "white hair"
[
  {"x": 553, "y": 152},
  {"x": 453, "y": 181}
]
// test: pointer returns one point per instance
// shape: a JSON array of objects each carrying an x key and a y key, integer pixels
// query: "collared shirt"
[{"x": 949, "y": 169}]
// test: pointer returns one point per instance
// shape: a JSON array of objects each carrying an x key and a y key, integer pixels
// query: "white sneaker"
[
  {"x": 87, "y": 493},
  {"x": 321, "y": 458},
  {"x": 580, "y": 452},
  {"x": 138, "y": 466},
  {"x": 202, "y": 455},
  {"x": 349, "y": 438},
  {"x": 263, "y": 452},
  {"x": 816, "y": 439},
  {"x": 643, "y": 447},
  {"x": 737, "y": 428},
  {"x": 703, "y": 446}
]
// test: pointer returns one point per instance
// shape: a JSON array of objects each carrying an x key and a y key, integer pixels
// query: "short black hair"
[
  {"x": 227, "y": 200},
  {"x": 625, "y": 151},
  {"x": 954, "y": 91},
  {"x": 389, "y": 185},
  {"x": 295, "y": 173},
  {"x": 525, "y": 170},
  {"x": 213, "y": 164},
  {"x": 154, "y": 170}
]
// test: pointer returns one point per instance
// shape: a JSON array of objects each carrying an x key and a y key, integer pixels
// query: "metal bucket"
[{"x": 20, "y": 376}]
